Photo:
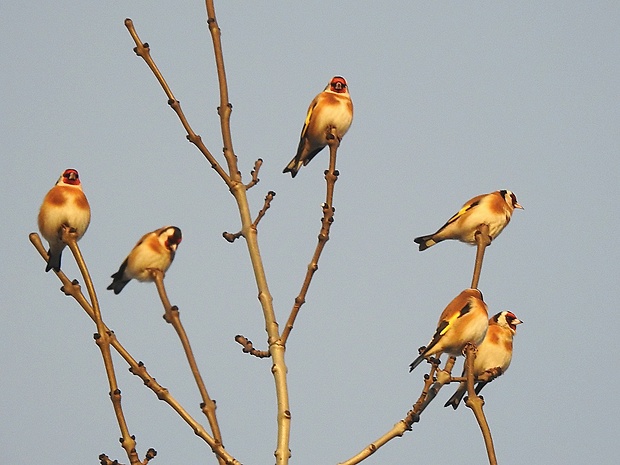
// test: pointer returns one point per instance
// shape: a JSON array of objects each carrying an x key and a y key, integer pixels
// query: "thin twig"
[
  {"x": 254, "y": 174},
  {"x": 268, "y": 198},
  {"x": 143, "y": 51},
  {"x": 230, "y": 237},
  {"x": 103, "y": 338},
  {"x": 248, "y": 347},
  {"x": 172, "y": 317},
  {"x": 150, "y": 455},
  {"x": 331, "y": 176},
  {"x": 73, "y": 289},
  {"x": 442, "y": 378},
  {"x": 413, "y": 415},
  {"x": 483, "y": 240},
  {"x": 475, "y": 403}
]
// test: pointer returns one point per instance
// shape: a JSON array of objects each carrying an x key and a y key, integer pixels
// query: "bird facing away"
[
  {"x": 331, "y": 112},
  {"x": 64, "y": 205},
  {"x": 494, "y": 352},
  {"x": 154, "y": 251},
  {"x": 494, "y": 210},
  {"x": 464, "y": 320}
]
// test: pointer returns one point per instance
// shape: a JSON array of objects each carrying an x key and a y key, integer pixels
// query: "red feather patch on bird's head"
[
  {"x": 338, "y": 84},
  {"x": 510, "y": 198},
  {"x": 70, "y": 176},
  {"x": 509, "y": 319},
  {"x": 174, "y": 239}
]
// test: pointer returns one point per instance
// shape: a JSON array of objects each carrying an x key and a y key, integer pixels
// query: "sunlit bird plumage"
[
  {"x": 494, "y": 210},
  {"x": 330, "y": 115},
  {"x": 154, "y": 251},
  {"x": 65, "y": 205},
  {"x": 494, "y": 352},
  {"x": 464, "y": 320}
]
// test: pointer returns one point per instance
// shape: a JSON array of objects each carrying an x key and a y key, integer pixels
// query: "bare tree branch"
[
  {"x": 254, "y": 174},
  {"x": 483, "y": 240},
  {"x": 233, "y": 181},
  {"x": 144, "y": 52},
  {"x": 72, "y": 288},
  {"x": 413, "y": 416},
  {"x": 105, "y": 460},
  {"x": 248, "y": 347},
  {"x": 268, "y": 198},
  {"x": 475, "y": 402},
  {"x": 249, "y": 232},
  {"x": 103, "y": 338},
  {"x": 172, "y": 317},
  {"x": 331, "y": 176}
]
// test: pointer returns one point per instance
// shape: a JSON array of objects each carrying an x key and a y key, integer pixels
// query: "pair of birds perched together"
[
  {"x": 65, "y": 205},
  {"x": 465, "y": 319}
]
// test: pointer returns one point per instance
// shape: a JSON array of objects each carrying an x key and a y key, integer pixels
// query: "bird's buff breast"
[
  {"x": 142, "y": 263},
  {"x": 336, "y": 113},
  {"x": 496, "y": 223}
]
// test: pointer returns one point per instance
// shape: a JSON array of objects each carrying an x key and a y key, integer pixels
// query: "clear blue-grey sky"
[{"x": 451, "y": 100}]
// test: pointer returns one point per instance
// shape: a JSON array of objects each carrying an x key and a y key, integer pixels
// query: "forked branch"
[
  {"x": 103, "y": 338},
  {"x": 230, "y": 237},
  {"x": 143, "y": 51},
  {"x": 73, "y": 289},
  {"x": 239, "y": 191}
]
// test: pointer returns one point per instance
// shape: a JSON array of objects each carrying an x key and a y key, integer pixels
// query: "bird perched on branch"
[
  {"x": 329, "y": 115},
  {"x": 494, "y": 352},
  {"x": 154, "y": 251},
  {"x": 65, "y": 205},
  {"x": 494, "y": 210},
  {"x": 465, "y": 320}
]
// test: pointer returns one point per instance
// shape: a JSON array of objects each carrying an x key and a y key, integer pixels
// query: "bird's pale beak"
[{"x": 518, "y": 205}]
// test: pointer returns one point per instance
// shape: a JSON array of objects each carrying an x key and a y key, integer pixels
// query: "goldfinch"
[
  {"x": 330, "y": 110},
  {"x": 64, "y": 205},
  {"x": 494, "y": 352},
  {"x": 464, "y": 320},
  {"x": 494, "y": 210},
  {"x": 154, "y": 251}
]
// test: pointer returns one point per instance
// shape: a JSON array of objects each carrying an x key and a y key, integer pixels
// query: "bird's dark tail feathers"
[
  {"x": 117, "y": 284},
  {"x": 425, "y": 242},
  {"x": 292, "y": 167},
  {"x": 456, "y": 398},
  {"x": 53, "y": 261}
]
